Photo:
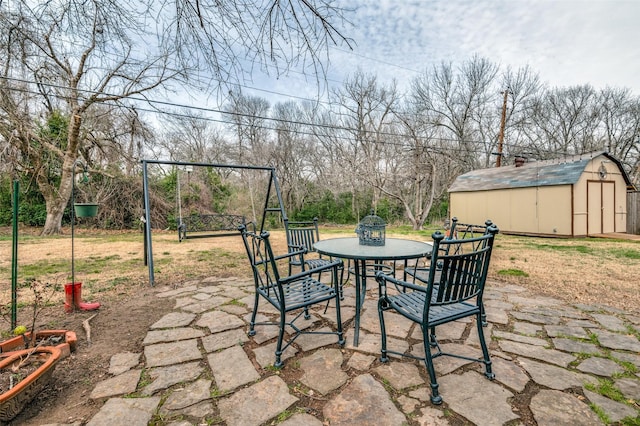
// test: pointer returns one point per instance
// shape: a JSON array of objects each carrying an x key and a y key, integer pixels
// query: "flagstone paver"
[
  {"x": 555, "y": 408},
  {"x": 186, "y": 384},
  {"x": 165, "y": 377},
  {"x": 172, "y": 353},
  {"x": 566, "y": 331},
  {"x": 552, "y": 376},
  {"x": 218, "y": 321},
  {"x": 630, "y": 388},
  {"x": 616, "y": 411},
  {"x": 520, "y": 338},
  {"x": 191, "y": 394},
  {"x": 322, "y": 370},
  {"x": 224, "y": 339},
  {"x": 174, "y": 319},
  {"x": 121, "y": 384},
  {"x": 463, "y": 395},
  {"x": 257, "y": 403},
  {"x": 232, "y": 368},
  {"x": 171, "y": 335},
  {"x": 122, "y": 362},
  {"x": 574, "y": 346},
  {"x": 509, "y": 373},
  {"x": 363, "y": 402},
  {"x": 549, "y": 355},
  {"x": 624, "y": 342},
  {"x": 600, "y": 366},
  {"x": 125, "y": 412},
  {"x": 610, "y": 322},
  {"x": 400, "y": 375}
]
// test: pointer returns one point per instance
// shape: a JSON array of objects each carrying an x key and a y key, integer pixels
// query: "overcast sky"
[{"x": 568, "y": 42}]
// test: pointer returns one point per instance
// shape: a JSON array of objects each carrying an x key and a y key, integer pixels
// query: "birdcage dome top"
[{"x": 371, "y": 230}]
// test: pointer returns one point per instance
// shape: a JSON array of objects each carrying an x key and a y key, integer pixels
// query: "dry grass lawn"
[{"x": 585, "y": 270}]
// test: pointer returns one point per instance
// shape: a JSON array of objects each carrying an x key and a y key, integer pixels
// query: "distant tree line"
[{"x": 370, "y": 145}]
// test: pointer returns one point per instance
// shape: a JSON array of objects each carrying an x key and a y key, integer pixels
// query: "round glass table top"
[{"x": 394, "y": 248}]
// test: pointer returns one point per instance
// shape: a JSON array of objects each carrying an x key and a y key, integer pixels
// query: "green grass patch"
[
  {"x": 625, "y": 253},
  {"x": 630, "y": 421},
  {"x": 606, "y": 387},
  {"x": 513, "y": 273},
  {"x": 45, "y": 267},
  {"x": 604, "y": 418},
  {"x": 567, "y": 248}
]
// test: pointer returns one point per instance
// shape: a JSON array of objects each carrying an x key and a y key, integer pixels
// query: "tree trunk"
[{"x": 56, "y": 200}]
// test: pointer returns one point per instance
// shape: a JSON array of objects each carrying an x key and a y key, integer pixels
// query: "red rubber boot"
[
  {"x": 77, "y": 293},
  {"x": 68, "y": 298}
]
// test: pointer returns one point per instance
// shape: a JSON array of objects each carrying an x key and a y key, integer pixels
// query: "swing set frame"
[{"x": 273, "y": 189}]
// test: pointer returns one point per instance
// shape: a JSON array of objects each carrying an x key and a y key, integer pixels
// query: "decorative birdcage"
[{"x": 371, "y": 230}]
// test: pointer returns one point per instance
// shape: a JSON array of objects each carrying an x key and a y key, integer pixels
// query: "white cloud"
[{"x": 568, "y": 42}]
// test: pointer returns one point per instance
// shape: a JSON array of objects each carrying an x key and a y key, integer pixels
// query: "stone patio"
[{"x": 199, "y": 366}]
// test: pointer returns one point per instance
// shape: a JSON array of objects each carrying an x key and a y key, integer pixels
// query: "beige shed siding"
[
  {"x": 532, "y": 210},
  {"x": 554, "y": 210}
]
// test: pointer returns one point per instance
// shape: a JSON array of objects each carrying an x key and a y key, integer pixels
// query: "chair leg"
[
  {"x": 436, "y": 399},
  {"x": 279, "y": 362},
  {"x": 341, "y": 340},
  {"x": 383, "y": 350},
  {"x": 485, "y": 351},
  {"x": 432, "y": 338},
  {"x": 484, "y": 316},
  {"x": 252, "y": 324}
]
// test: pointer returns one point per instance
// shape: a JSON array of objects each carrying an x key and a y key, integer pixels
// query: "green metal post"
[{"x": 14, "y": 257}]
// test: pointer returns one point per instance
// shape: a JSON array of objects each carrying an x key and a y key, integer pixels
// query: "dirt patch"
[{"x": 120, "y": 326}]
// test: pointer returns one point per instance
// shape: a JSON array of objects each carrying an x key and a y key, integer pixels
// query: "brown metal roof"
[{"x": 565, "y": 171}]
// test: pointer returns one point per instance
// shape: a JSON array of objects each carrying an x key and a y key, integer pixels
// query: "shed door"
[{"x": 600, "y": 207}]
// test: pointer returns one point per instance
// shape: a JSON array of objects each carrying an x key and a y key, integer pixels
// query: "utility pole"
[{"x": 502, "y": 123}]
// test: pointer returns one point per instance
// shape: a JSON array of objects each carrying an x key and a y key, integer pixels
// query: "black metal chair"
[
  {"x": 458, "y": 231},
  {"x": 291, "y": 293},
  {"x": 421, "y": 273},
  {"x": 302, "y": 235},
  {"x": 447, "y": 297}
]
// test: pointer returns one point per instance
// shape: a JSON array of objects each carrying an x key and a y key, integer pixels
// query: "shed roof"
[{"x": 565, "y": 171}]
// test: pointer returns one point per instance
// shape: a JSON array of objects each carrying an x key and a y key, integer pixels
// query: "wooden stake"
[{"x": 87, "y": 327}]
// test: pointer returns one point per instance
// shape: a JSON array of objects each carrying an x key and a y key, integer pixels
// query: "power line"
[{"x": 156, "y": 110}]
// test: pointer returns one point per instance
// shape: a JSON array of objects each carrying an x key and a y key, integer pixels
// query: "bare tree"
[
  {"x": 189, "y": 136},
  {"x": 564, "y": 121},
  {"x": 70, "y": 59},
  {"x": 456, "y": 101},
  {"x": 231, "y": 38},
  {"x": 367, "y": 114},
  {"x": 294, "y": 155},
  {"x": 249, "y": 117},
  {"x": 620, "y": 114}
]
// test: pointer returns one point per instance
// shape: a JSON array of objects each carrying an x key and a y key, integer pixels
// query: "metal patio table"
[{"x": 350, "y": 248}]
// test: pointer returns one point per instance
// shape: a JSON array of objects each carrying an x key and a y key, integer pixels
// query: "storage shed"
[{"x": 570, "y": 197}]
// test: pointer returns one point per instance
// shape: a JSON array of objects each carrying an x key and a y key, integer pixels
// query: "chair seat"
[
  {"x": 316, "y": 263},
  {"x": 299, "y": 294},
  {"x": 411, "y": 305}
]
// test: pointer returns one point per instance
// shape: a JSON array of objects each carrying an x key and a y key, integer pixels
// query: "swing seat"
[{"x": 210, "y": 225}]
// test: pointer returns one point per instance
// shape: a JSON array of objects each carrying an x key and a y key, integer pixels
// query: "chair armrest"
[
  {"x": 301, "y": 252},
  {"x": 308, "y": 272},
  {"x": 382, "y": 279}
]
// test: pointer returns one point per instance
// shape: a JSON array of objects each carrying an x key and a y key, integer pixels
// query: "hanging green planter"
[{"x": 86, "y": 209}]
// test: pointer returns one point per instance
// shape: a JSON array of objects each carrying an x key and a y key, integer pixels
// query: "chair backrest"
[
  {"x": 465, "y": 231},
  {"x": 302, "y": 235},
  {"x": 260, "y": 254},
  {"x": 461, "y": 276}
]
